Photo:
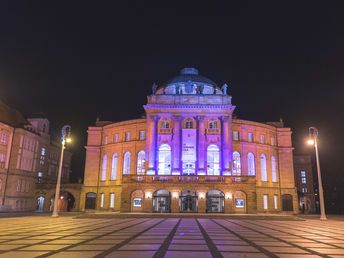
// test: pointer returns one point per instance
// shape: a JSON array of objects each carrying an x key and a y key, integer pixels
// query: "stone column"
[
  {"x": 201, "y": 146},
  {"x": 226, "y": 145},
  {"x": 176, "y": 142},
  {"x": 151, "y": 143}
]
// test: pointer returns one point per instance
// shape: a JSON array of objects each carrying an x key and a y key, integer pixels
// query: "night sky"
[{"x": 75, "y": 61}]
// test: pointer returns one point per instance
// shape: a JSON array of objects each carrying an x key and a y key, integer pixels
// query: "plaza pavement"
[{"x": 43, "y": 236}]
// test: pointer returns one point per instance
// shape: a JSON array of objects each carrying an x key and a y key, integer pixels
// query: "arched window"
[
  {"x": 273, "y": 169},
  {"x": 264, "y": 172},
  {"x": 188, "y": 123},
  {"x": 140, "y": 167},
  {"x": 213, "y": 124},
  {"x": 104, "y": 166},
  {"x": 165, "y": 124},
  {"x": 236, "y": 164},
  {"x": 114, "y": 166},
  {"x": 126, "y": 163},
  {"x": 251, "y": 164},
  {"x": 164, "y": 157},
  {"x": 213, "y": 160}
]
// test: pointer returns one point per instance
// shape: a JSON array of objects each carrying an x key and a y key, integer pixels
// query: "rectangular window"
[
  {"x": 4, "y": 138},
  {"x": 2, "y": 160},
  {"x": 102, "y": 200},
  {"x": 250, "y": 137},
  {"x": 304, "y": 189},
  {"x": 18, "y": 185},
  {"x": 272, "y": 141},
  {"x": 276, "y": 201},
  {"x": 265, "y": 201},
  {"x": 42, "y": 158},
  {"x": 112, "y": 200},
  {"x": 235, "y": 135},
  {"x": 116, "y": 137},
  {"x": 262, "y": 139},
  {"x": 105, "y": 140},
  {"x": 142, "y": 135},
  {"x": 127, "y": 136},
  {"x": 303, "y": 177}
]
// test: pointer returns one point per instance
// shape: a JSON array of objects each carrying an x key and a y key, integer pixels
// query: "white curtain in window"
[
  {"x": 264, "y": 173},
  {"x": 112, "y": 200},
  {"x": 126, "y": 163},
  {"x": 164, "y": 160},
  {"x": 236, "y": 164},
  {"x": 140, "y": 166},
  {"x": 104, "y": 166},
  {"x": 251, "y": 164},
  {"x": 213, "y": 160},
  {"x": 114, "y": 166}
]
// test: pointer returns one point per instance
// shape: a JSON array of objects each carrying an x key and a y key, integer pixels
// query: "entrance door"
[
  {"x": 162, "y": 201},
  {"x": 40, "y": 204},
  {"x": 188, "y": 201}
]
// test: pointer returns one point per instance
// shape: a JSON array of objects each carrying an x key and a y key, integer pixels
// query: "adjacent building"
[
  {"x": 304, "y": 183},
  {"x": 190, "y": 154},
  {"x": 29, "y": 163}
]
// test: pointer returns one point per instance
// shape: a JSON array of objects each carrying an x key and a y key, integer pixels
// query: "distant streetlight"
[
  {"x": 65, "y": 138},
  {"x": 313, "y": 140}
]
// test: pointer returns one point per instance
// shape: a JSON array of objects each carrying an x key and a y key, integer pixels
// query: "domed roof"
[
  {"x": 189, "y": 82},
  {"x": 190, "y": 74}
]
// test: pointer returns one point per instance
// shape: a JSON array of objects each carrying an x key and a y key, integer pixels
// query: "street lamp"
[
  {"x": 313, "y": 140},
  {"x": 65, "y": 138}
]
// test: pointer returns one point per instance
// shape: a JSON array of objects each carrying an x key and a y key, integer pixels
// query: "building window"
[
  {"x": 127, "y": 136},
  {"x": 40, "y": 177},
  {"x": 273, "y": 169},
  {"x": 42, "y": 158},
  {"x": 126, "y": 163},
  {"x": 213, "y": 160},
  {"x": 102, "y": 200},
  {"x": 104, "y": 166},
  {"x": 272, "y": 140},
  {"x": 303, "y": 177},
  {"x": 236, "y": 164},
  {"x": 116, "y": 137},
  {"x": 142, "y": 135},
  {"x": 304, "y": 189},
  {"x": 264, "y": 172},
  {"x": 164, "y": 160},
  {"x": 105, "y": 140},
  {"x": 275, "y": 201},
  {"x": 262, "y": 139},
  {"x": 250, "y": 137},
  {"x": 265, "y": 201},
  {"x": 112, "y": 200},
  {"x": 2, "y": 160},
  {"x": 251, "y": 164},
  {"x": 189, "y": 123},
  {"x": 4, "y": 138},
  {"x": 114, "y": 166},
  {"x": 18, "y": 185},
  {"x": 140, "y": 168},
  {"x": 213, "y": 124},
  {"x": 165, "y": 124},
  {"x": 235, "y": 135}
]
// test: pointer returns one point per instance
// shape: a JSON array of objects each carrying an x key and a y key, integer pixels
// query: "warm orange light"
[
  {"x": 68, "y": 140},
  {"x": 310, "y": 141}
]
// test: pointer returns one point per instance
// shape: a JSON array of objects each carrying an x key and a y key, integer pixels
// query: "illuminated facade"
[{"x": 189, "y": 155}]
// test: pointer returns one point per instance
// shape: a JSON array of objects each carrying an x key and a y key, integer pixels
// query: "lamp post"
[
  {"x": 65, "y": 138},
  {"x": 313, "y": 140}
]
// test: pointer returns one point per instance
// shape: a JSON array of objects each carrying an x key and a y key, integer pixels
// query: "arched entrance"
[
  {"x": 162, "y": 201},
  {"x": 90, "y": 202},
  {"x": 215, "y": 201},
  {"x": 65, "y": 203},
  {"x": 40, "y": 203},
  {"x": 188, "y": 201}
]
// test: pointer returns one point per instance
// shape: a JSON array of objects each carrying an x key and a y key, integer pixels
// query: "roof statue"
[{"x": 224, "y": 88}]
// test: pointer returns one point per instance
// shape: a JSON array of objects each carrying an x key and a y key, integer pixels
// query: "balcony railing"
[
  {"x": 187, "y": 179},
  {"x": 213, "y": 131},
  {"x": 165, "y": 130}
]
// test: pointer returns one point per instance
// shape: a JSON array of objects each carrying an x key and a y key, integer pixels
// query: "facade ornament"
[
  {"x": 201, "y": 88},
  {"x": 178, "y": 90},
  {"x": 154, "y": 87},
  {"x": 189, "y": 87},
  {"x": 224, "y": 88}
]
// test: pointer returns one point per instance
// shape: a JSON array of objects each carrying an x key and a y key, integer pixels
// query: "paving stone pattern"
[{"x": 169, "y": 237}]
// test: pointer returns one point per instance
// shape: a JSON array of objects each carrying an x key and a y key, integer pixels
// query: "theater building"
[{"x": 189, "y": 155}]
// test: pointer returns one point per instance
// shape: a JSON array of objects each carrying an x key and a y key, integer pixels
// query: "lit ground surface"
[{"x": 43, "y": 236}]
